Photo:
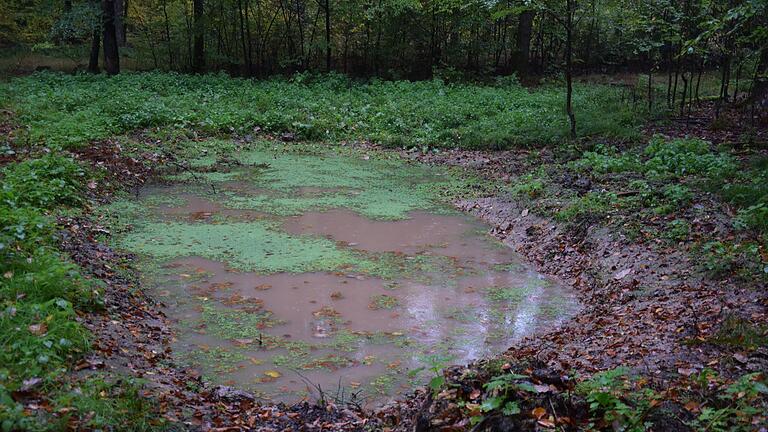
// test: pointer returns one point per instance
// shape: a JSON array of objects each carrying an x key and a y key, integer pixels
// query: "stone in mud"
[{"x": 229, "y": 394}]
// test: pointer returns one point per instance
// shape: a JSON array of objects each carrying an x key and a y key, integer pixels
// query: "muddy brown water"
[{"x": 345, "y": 330}]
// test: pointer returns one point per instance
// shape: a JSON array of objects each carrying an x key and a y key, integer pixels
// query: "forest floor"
[{"x": 662, "y": 238}]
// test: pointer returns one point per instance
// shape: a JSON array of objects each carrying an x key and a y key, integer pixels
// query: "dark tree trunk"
[
  {"x": 119, "y": 13},
  {"x": 521, "y": 61},
  {"x": 571, "y": 6},
  {"x": 328, "y": 35},
  {"x": 168, "y": 35},
  {"x": 198, "y": 51},
  {"x": 93, "y": 61},
  {"x": 650, "y": 90},
  {"x": 109, "y": 36}
]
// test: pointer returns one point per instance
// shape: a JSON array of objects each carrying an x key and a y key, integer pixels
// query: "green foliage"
[
  {"x": 740, "y": 333},
  {"x": 730, "y": 407},
  {"x": 44, "y": 183},
  {"x": 593, "y": 204},
  {"x": 678, "y": 230},
  {"x": 73, "y": 110},
  {"x": 530, "y": 185},
  {"x": 613, "y": 401},
  {"x": 44, "y": 276},
  {"x": 22, "y": 229},
  {"x": 38, "y": 339},
  {"x": 684, "y": 157},
  {"x": 605, "y": 159},
  {"x": 103, "y": 402},
  {"x": 722, "y": 258}
]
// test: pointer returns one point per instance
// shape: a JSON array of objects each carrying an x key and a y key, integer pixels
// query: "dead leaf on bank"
[
  {"x": 38, "y": 329},
  {"x": 622, "y": 274},
  {"x": 693, "y": 406},
  {"x": 273, "y": 374},
  {"x": 547, "y": 423},
  {"x": 539, "y": 412}
]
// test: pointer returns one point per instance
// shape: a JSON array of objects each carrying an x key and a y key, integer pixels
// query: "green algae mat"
[{"x": 293, "y": 268}]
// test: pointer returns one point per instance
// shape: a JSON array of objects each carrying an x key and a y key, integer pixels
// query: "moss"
[
  {"x": 234, "y": 324},
  {"x": 253, "y": 246},
  {"x": 383, "y": 302},
  {"x": 507, "y": 294},
  {"x": 216, "y": 359}
]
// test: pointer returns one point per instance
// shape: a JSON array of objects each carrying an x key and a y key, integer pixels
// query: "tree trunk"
[
  {"x": 109, "y": 36},
  {"x": 93, "y": 61},
  {"x": 521, "y": 60},
  {"x": 168, "y": 35},
  {"x": 198, "y": 51},
  {"x": 570, "y": 4},
  {"x": 328, "y": 35},
  {"x": 119, "y": 27},
  {"x": 650, "y": 90}
]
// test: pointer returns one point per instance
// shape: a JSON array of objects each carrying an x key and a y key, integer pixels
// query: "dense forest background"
[{"x": 399, "y": 39}]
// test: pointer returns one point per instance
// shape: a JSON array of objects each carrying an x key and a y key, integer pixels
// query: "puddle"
[{"x": 356, "y": 295}]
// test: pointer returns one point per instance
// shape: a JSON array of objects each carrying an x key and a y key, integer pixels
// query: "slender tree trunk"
[
  {"x": 109, "y": 36},
  {"x": 650, "y": 90},
  {"x": 119, "y": 23},
  {"x": 168, "y": 35},
  {"x": 698, "y": 79},
  {"x": 93, "y": 61},
  {"x": 125, "y": 22},
  {"x": 570, "y": 4},
  {"x": 198, "y": 56},
  {"x": 328, "y": 35}
]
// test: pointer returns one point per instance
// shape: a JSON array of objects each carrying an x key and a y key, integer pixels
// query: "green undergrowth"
[
  {"x": 41, "y": 296},
  {"x": 619, "y": 399},
  {"x": 663, "y": 181},
  {"x": 71, "y": 110}
]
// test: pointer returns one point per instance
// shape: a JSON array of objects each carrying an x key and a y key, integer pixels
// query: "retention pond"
[{"x": 306, "y": 271}]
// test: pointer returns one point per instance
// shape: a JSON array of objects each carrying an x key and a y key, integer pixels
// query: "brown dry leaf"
[
  {"x": 692, "y": 406},
  {"x": 547, "y": 423},
  {"x": 38, "y": 329},
  {"x": 273, "y": 374},
  {"x": 475, "y": 394},
  {"x": 539, "y": 412}
]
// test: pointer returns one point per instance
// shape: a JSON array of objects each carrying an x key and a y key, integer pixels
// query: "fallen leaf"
[
  {"x": 539, "y": 412},
  {"x": 38, "y": 329},
  {"x": 273, "y": 374}
]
